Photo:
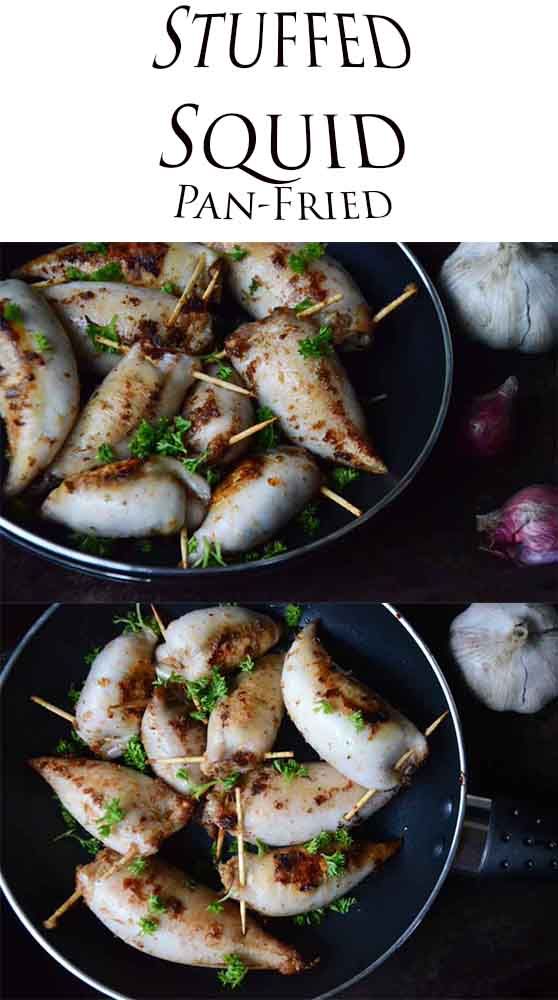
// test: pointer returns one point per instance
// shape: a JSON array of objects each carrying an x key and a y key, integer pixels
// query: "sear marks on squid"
[
  {"x": 290, "y": 880},
  {"x": 243, "y": 726},
  {"x": 185, "y": 932},
  {"x": 150, "y": 265},
  {"x": 313, "y": 398},
  {"x": 131, "y": 499},
  {"x": 118, "y": 685},
  {"x": 39, "y": 387},
  {"x": 210, "y": 638},
  {"x": 281, "y": 812},
  {"x": 345, "y": 722},
  {"x": 216, "y": 416},
  {"x": 167, "y": 730},
  {"x": 258, "y": 498},
  {"x": 151, "y": 811},
  {"x": 141, "y": 314},
  {"x": 263, "y": 281},
  {"x": 145, "y": 385}
]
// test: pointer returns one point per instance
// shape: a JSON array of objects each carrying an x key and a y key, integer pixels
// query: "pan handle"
[{"x": 508, "y": 837}]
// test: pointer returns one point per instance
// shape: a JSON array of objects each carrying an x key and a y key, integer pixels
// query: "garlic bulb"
[
  {"x": 508, "y": 654},
  {"x": 505, "y": 294}
]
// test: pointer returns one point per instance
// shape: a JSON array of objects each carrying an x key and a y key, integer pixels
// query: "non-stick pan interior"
[
  {"x": 410, "y": 365},
  {"x": 38, "y": 871}
]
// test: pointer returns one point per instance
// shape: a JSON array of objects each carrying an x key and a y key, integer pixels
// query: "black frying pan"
[
  {"x": 504, "y": 838},
  {"x": 411, "y": 362}
]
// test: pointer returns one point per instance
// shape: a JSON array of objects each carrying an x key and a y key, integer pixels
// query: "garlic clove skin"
[
  {"x": 488, "y": 421},
  {"x": 505, "y": 294},
  {"x": 508, "y": 654}
]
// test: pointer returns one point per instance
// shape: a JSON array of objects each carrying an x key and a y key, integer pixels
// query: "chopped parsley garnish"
[
  {"x": 247, "y": 665},
  {"x": 71, "y": 747},
  {"x": 135, "y": 755},
  {"x": 105, "y": 454},
  {"x": 108, "y": 272},
  {"x": 319, "y": 842},
  {"x": 112, "y": 815},
  {"x": 155, "y": 905},
  {"x": 183, "y": 774},
  {"x": 343, "y": 838},
  {"x": 193, "y": 464},
  {"x": 108, "y": 331},
  {"x": 137, "y": 866},
  {"x": 91, "y": 655},
  {"x": 270, "y": 435},
  {"x": 12, "y": 312},
  {"x": 148, "y": 925},
  {"x": 343, "y": 905},
  {"x": 237, "y": 253},
  {"x": 230, "y": 781},
  {"x": 335, "y": 864},
  {"x": 213, "y": 477},
  {"x": 308, "y": 520},
  {"x": 145, "y": 545},
  {"x": 210, "y": 555},
  {"x": 101, "y": 248},
  {"x": 42, "y": 343},
  {"x": 275, "y": 548},
  {"x": 134, "y": 622},
  {"x": 73, "y": 694},
  {"x": 319, "y": 346},
  {"x": 93, "y": 545},
  {"x": 90, "y": 844},
  {"x": 252, "y": 556},
  {"x": 215, "y": 907},
  {"x": 311, "y": 919},
  {"x": 298, "y": 262},
  {"x": 170, "y": 440},
  {"x": 292, "y": 615},
  {"x": 254, "y": 285},
  {"x": 324, "y": 706},
  {"x": 262, "y": 848},
  {"x": 225, "y": 373},
  {"x": 342, "y": 477},
  {"x": 162, "y": 437},
  {"x": 197, "y": 791},
  {"x": 301, "y": 306},
  {"x": 234, "y": 972},
  {"x": 291, "y": 769},
  {"x": 206, "y": 693},
  {"x": 170, "y": 288},
  {"x": 357, "y": 720}
]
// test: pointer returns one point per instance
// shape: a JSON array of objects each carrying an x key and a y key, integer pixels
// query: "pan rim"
[
  {"x": 114, "y": 570},
  {"x": 452, "y": 707}
]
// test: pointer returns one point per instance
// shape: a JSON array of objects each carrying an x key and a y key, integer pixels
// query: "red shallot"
[
  {"x": 525, "y": 529},
  {"x": 487, "y": 425}
]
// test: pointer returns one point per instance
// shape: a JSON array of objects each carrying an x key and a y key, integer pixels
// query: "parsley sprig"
[
  {"x": 319, "y": 346},
  {"x": 291, "y": 769},
  {"x": 108, "y": 272},
  {"x": 210, "y": 554},
  {"x": 12, "y": 312},
  {"x": 42, "y": 343},
  {"x": 268, "y": 437},
  {"x": 106, "y": 331},
  {"x": 298, "y": 262},
  {"x": 90, "y": 844},
  {"x": 135, "y": 755},
  {"x": 112, "y": 816},
  {"x": 134, "y": 622},
  {"x": 237, "y": 253},
  {"x": 341, "y": 477},
  {"x": 234, "y": 972},
  {"x": 105, "y": 454},
  {"x": 206, "y": 693}
]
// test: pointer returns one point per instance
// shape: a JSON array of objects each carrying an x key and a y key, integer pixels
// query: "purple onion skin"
[
  {"x": 525, "y": 529},
  {"x": 488, "y": 425}
]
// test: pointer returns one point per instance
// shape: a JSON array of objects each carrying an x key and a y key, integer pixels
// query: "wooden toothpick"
[
  {"x": 408, "y": 293},
  {"x": 242, "y": 435},
  {"x": 358, "y": 805},
  {"x": 275, "y": 755},
  {"x": 202, "y": 377},
  {"x": 209, "y": 290},
  {"x": 52, "y": 921},
  {"x": 437, "y": 722},
  {"x": 49, "y": 282},
  {"x": 241, "y": 868},
  {"x": 187, "y": 291},
  {"x": 55, "y": 710},
  {"x": 159, "y": 621},
  {"x": 318, "y": 306},
  {"x": 184, "y": 548},
  {"x": 326, "y": 492},
  {"x": 219, "y": 844}
]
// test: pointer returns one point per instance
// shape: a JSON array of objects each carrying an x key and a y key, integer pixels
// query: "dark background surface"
[
  {"x": 481, "y": 938},
  {"x": 422, "y": 548}
]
